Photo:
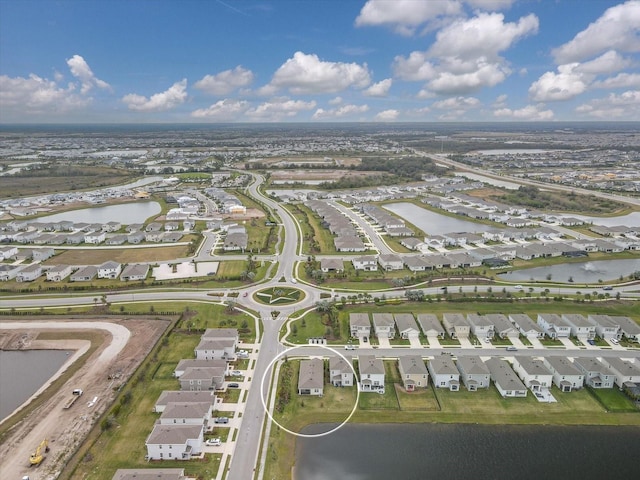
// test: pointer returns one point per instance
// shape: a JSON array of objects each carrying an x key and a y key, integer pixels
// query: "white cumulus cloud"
[
  {"x": 80, "y": 69},
  {"x": 340, "y": 112},
  {"x": 608, "y": 62},
  {"x": 380, "y": 89},
  {"x": 563, "y": 85},
  {"x": 617, "y": 29},
  {"x": 307, "y": 74},
  {"x": 225, "y": 82},
  {"x": 226, "y": 110},
  {"x": 278, "y": 109},
  {"x": 530, "y": 112},
  {"x": 159, "y": 102},
  {"x": 387, "y": 115},
  {"x": 625, "y": 106},
  {"x": 405, "y": 16},
  {"x": 622, "y": 80}
]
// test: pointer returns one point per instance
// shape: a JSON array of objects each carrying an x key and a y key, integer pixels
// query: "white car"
[
  {"x": 615, "y": 341},
  {"x": 213, "y": 442},
  {"x": 519, "y": 287}
]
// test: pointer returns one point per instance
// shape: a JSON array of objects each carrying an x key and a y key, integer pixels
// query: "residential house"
[
  {"x": 526, "y": 326},
  {"x": 566, "y": 376},
  {"x": 359, "y": 325},
  {"x": 134, "y": 272},
  {"x": 84, "y": 274},
  {"x": 553, "y": 325},
  {"x": 473, "y": 372},
  {"x": 630, "y": 329},
  {"x": 216, "y": 348},
  {"x": 220, "y": 333},
  {"x": 171, "y": 237},
  {"x": 389, "y": 262},
  {"x": 328, "y": 265},
  {"x": 42, "y": 254},
  {"x": 455, "y": 325},
  {"x": 581, "y": 328},
  {"x": 502, "y": 327},
  {"x": 109, "y": 269},
  {"x": 407, "y": 326},
  {"x": 153, "y": 227},
  {"x": 415, "y": 263},
  {"x": 194, "y": 362},
  {"x": 444, "y": 373},
  {"x": 311, "y": 377},
  {"x": 430, "y": 325},
  {"x": 340, "y": 372},
  {"x": 596, "y": 374},
  {"x": 174, "y": 442},
  {"x": 505, "y": 379},
  {"x": 368, "y": 263},
  {"x": 606, "y": 328},
  {"x": 57, "y": 273},
  {"x": 154, "y": 236},
  {"x": 169, "y": 396},
  {"x": 9, "y": 272},
  {"x": 624, "y": 371},
  {"x": 116, "y": 240},
  {"x": 411, "y": 243},
  {"x": 480, "y": 325},
  {"x": 29, "y": 273},
  {"x": 371, "y": 371},
  {"x": 95, "y": 238},
  {"x": 349, "y": 243},
  {"x": 533, "y": 372},
  {"x": 186, "y": 413},
  {"x": 413, "y": 372},
  {"x": 383, "y": 325},
  {"x": 135, "y": 238},
  {"x": 202, "y": 378},
  {"x": 8, "y": 252},
  {"x": 149, "y": 474}
]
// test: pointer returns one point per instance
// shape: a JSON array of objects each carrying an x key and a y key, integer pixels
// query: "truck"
[
  {"x": 38, "y": 456},
  {"x": 75, "y": 395}
]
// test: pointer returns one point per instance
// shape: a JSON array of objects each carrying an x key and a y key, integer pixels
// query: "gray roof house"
[
  {"x": 29, "y": 273},
  {"x": 553, "y": 325},
  {"x": 186, "y": 413},
  {"x": 566, "y": 376},
  {"x": 533, "y": 372},
  {"x": 444, "y": 373},
  {"x": 174, "y": 442},
  {"x": 216, "y": 348},
  {"x": 194, "y": 362},
  {"x": 390, "y": 262},
  {"x": 473, "y": 373},
  {"x": 581, "y": 328},
  {"x": 340, "y": 372},
  {"x": 606, "y": 327},
  {"x": 359, "y": 325},
  {"x": 407, "y": 326},
  {"x": 630, "y": 329},
  {"x": 109, "y": 269},
  {"x": 85, "y": 274},
  {"x": 332, "y": 265},
  {"x": 623, "y": 370},
  {"x": 481, "y": 327},
  {"x": 431, "y": 326},
  {"x": 456, "y": 325},
  {"x": 596, "y": 374},
  {"x": 311, "y": 377},
  {"x": 169, "y": 396},
  {"x": 526, "y": 326},
  {"x": 371, "y": 372},
  {"x": 383, "y": 325},
  {"x": 202, "y": 378},
  {"x": 505, "y": 379},
  {"x": 413, "y": 371},
  {"x": 502, "y": 327},
  {"x": 134, "y": 272}
]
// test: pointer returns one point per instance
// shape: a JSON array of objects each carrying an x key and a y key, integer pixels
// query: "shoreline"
[{"x": 79, "y": 348}]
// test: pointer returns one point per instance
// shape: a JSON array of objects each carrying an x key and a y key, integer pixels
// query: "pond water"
[
  {"x": 23, "y": 372},
  {"x": 582, "y": 272},
  {"x": 442, "y": 451},
  {"x": 433, "y": 223},
  {"x": 125, "y": 213},
  {"x": 630, "y": 220},
  {"x": 489, "y": 180}
]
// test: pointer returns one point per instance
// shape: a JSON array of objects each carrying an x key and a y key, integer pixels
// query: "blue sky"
[{"x": 123, "y": 61}]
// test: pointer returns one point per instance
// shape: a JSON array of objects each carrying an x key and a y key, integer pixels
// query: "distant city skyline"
[{"x": 194, "y": 61}]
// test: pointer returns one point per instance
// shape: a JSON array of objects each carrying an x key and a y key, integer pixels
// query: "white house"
[
  {"x": 175, "y": 442},
  {"x": 389, "y": 262},
  {"x": 368, "y": 263},
  {"x": 596, "y": 374},
  {"x": 505, "y": 379},
  {"x": 371, "y": 371},
  {"x": 481, "y": 327},
  {"x": 553, "y": 325},
  {"x": 566, "y": 375},
  {"x": 533, "y": 372},
  {"x": 606, "y": 328},
  {"x": 186, "y": 413},
  {"x": 624, "y": 371},
  {"x": 134, "y": 272},
  {"x": 407, "y": 326},
  {"x": 194, "y": 362},
  {"x": 456, "y": 325},
  {"x": 340, "y": 372},
  {"x": 383, "y": 325},
  {"x": 502, "y": 327},
  {"x": 580, "y": 327},
  {"x": 58, "y": 273},
  {"x": 147, "y": 473},
  {"x": 526, "y": 326},
  {"x": 172, "y": 396},
  {"x": 311, "y": 377},
  {"x": 95, "y": 238},
  {"x": 359, "y": 325},
  {"x": 430, "y": 325},
  {"x": 110, "y": 270},
  {"x": 473, "y": 372},
  {"x": 29, "y": 273},
  {"x": 444, "y": 373},
  {"x": 216, "y": 348}
]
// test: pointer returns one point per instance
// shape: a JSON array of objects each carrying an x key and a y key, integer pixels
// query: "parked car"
[
  {"x": 221, "y": 420},
  {"x": 518, "y": 287},
  {"x": 608, "y": 287},
  {"x": 512, "y": 349},
  {"x": 233, "y": 385},
  {"x": 349, "y": 347},
  {"x": 486, "y": 340},
  {"x": 213, "y": 442},
  {"x": 615, "y": 341},
  {"x": 236, "y": 373}
]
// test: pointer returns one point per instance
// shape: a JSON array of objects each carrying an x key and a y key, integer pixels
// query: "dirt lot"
[{"x": 126, "y": 343}]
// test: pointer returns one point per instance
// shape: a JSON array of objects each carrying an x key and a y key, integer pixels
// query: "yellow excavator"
[{"x": 37, "y": 456}]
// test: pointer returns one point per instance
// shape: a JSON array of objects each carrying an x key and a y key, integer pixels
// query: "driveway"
[
  {"x": 568, "y": 343},
  {"x": 465, "y": 343},
  {"x": 434, "y": 342},
  {"x": 415, "y": 343},
  {"x": 384, "y": 342}
]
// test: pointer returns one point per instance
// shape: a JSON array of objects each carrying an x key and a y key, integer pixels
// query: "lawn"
[
  {"x": 612, "y": 399},
  {"x": 96, "y": 256}
]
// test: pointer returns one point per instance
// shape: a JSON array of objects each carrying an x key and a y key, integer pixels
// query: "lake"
[
  {"x": 125, "y": 213},
  {"x": 474, "y": 452},
  {"x": 582, "y": 272},
  {"x": 23, "y": 372},
  {"x": 433, "y": 223}
]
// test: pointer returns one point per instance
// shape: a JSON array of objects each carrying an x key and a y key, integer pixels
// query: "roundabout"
[{"x": 279, "y": 295}]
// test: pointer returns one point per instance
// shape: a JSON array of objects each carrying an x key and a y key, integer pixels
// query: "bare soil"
[{"x": 104, "y": 371}]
